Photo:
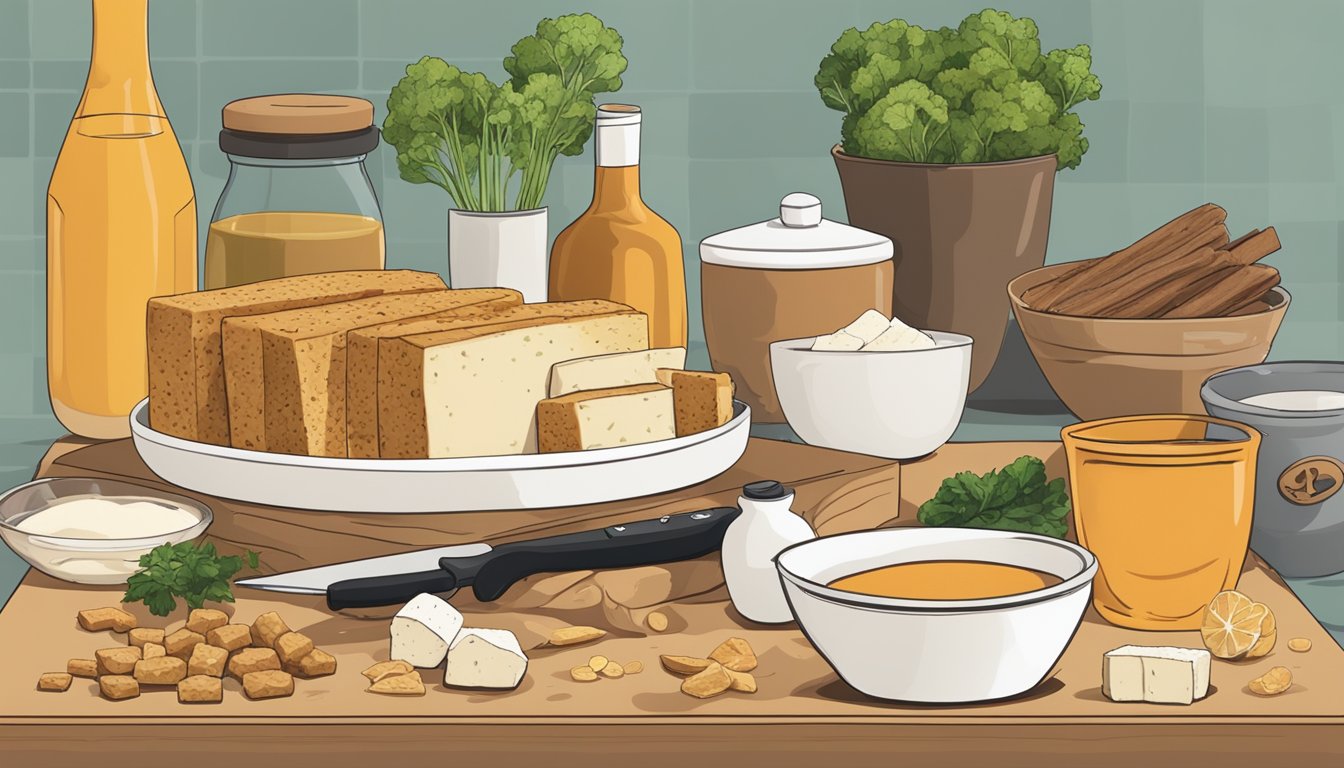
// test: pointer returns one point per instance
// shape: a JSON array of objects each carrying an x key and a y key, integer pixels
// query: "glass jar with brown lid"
[{"x": 298, "y": 199}]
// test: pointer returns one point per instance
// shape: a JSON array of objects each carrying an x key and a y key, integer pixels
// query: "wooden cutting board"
[{"x": 802, "y": 713}]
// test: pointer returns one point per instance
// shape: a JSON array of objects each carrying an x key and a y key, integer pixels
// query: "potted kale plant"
[
  {"x": 949, "y": 146},
  {"x": 491, "y": 146}
]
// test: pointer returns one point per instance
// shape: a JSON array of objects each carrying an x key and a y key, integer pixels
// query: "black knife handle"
[
  {"x": 388, "y": 590},
  {"x": 648, "y": 542}
]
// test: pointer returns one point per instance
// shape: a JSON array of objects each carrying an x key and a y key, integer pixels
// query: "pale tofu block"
[
  {"x": 1156, "y": 674},
  {"x": 900, "y": 337},
  {"x": 868, "y": 326},
  {"x": 621, "y": 369},
  {"x": 423, "y": 630},
  {"x": 606, "y": 418},
  {"x": 837, "y": 342},
  {"x": 485, "y": 658}
]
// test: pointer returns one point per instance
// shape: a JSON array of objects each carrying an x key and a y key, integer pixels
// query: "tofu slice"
[
  {"x": 606, "y": 418},
  {"x": 485, "y": 658},
  {"x": 423, "y": 630},
  {"x": 1155, "y": 674},
  {"x": 622, "y": 369},
  {"x": 837, "y": 342},
  {"x": 868, "y": 326},
  {"x": 899, "y": 337}
]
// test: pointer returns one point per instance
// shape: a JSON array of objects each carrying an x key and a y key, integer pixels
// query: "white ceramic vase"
[{"x": 499, "y": 250}]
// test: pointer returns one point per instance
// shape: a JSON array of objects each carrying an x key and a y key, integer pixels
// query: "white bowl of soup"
[{"x": 939, "y": 615}]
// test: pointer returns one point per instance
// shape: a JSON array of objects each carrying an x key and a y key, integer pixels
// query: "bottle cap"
[{"x": 765, "y": 490}]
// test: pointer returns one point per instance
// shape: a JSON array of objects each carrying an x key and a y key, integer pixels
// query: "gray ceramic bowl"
[{"x": 1299, "y": 515}]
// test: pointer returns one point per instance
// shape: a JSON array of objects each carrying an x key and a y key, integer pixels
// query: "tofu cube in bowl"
[{"x": 897, "y": 404}]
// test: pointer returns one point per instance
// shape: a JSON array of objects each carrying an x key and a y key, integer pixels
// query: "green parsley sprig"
[
  {"x": 1015, "y": 498},
  {"x": 195, "y": 573}
]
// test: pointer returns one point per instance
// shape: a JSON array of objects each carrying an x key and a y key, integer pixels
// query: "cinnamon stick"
[
  {"x": 1254, "y": 246},
  {"x": 1123, "y": 288},
  {"x": 1233, "y": 289},
  {"x": 1151, "y": 292},
  {"x": 1175, "y": 235}
]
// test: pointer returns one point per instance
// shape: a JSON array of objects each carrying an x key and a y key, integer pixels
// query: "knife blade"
[
  {"x": 314, "y": 581},
  {"x": 490, "y": 571}
]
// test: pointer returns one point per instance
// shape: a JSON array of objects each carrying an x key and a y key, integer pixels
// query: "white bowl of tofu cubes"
[{"x": 876, "y": 386}]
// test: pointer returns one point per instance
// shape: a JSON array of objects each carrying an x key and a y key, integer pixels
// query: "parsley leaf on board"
[
  {"x": 195, "y": 573},
  {"x": 1015, "y": 498}
]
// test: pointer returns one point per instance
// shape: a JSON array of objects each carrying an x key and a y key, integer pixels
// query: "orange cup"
[{"x": 1165, "y": 504}]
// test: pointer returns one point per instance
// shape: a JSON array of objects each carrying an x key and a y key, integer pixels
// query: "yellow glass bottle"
[
  {"x": 121, "y": 228},
  {"x": 619, "y": 249}
]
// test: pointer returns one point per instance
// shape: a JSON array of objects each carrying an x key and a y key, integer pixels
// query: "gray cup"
[{"x": 1298, "y": 526}]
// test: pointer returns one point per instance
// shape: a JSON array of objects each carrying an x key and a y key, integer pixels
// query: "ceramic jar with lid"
[{"x": 786, "y": 278}]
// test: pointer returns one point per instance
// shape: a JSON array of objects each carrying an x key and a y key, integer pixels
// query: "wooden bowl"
[{"x": 1105, "y": 367}]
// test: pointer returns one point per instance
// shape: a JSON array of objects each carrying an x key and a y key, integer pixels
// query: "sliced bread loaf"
[
  {"x": 186, "y": 362},
  {"x": 605, "y": 418},
  {"x": 618, "y": 370},
  {"x": 286, "y": 371},
  {"x": 474, "y": 391},
  {"x": 704, "y": 400},
  {"x": 361, "y": 363}
]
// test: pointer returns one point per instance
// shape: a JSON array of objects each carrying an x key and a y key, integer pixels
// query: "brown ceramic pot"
[
  {"x": 1108, "y": 367},
  {"x": 960, "y": 232}
]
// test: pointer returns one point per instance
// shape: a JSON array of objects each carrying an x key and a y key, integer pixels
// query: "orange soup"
[{"x": 946, "y": 580}]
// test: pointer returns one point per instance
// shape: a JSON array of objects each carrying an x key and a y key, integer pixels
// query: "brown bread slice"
[
  {"x": 605, "y": 418},
  {"x": 285, "y": 371},
  {"x": 186, "y": 360},
  {"x": 473, "y": 391},
  {"x": 703, "y": 399}
]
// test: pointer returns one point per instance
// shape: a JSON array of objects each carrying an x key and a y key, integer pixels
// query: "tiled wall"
[{"x": 1235, "y": 102}]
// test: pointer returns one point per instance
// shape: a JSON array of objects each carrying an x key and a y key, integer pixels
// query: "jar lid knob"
[{"x": 799, "y": 209}]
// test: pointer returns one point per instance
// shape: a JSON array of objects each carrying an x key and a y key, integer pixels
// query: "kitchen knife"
[{"x": 490, "y": 571}]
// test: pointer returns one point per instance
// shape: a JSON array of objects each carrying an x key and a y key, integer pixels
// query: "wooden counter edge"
[{"x": 1227, "y": 744}]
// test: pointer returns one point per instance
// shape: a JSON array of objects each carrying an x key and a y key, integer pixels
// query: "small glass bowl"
[{"x": 87, "y": 560}]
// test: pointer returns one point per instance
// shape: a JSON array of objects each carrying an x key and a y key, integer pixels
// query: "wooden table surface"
[{"x": 801, "y": 714}]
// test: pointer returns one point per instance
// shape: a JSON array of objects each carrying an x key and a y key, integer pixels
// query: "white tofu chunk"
[
  {"x": 620, "y": 369},
  {"x": 868, "y": 326},
  {"x": 838, "y": 342},
  {"x": 423, "y": 630},
  {"x": 1158, "y": 674},
  {"x": 899, "y": 337},
  {"x": 485, "y": 658}
]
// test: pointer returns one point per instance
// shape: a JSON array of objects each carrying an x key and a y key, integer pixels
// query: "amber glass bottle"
[
  {"x": 121, "y": 228},
  {"x": 619, "y": 249}
]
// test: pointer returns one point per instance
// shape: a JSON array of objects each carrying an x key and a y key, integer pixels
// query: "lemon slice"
[{"x": 1232, "y": 624}]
